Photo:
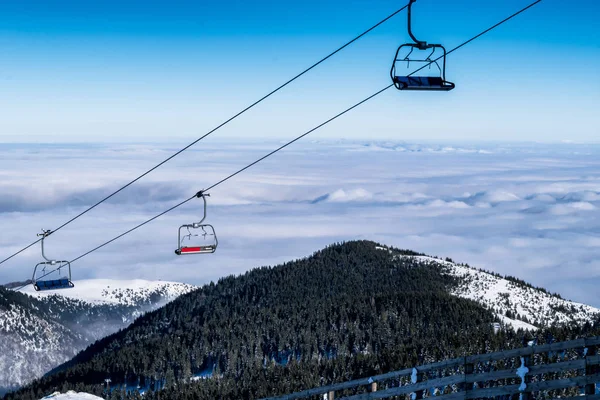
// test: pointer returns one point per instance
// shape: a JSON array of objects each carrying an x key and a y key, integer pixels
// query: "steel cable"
[{"x": 303, "y": 135}]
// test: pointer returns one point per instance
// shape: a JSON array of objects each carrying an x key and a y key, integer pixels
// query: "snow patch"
[
  {"x": 516, "y": 305},
  {"x": 72, "y": 395},
  {"x": 123, "y": 292},
  {"x": 516, "y": 324}
]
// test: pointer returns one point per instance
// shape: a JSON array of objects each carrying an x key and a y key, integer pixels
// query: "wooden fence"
[{"x": 566, "y": 370}]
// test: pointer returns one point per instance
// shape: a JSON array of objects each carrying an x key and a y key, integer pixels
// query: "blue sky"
[{"x": 132, "y": 70}]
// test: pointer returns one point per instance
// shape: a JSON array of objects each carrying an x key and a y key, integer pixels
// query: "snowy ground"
[
  {"x": 113, "y": 291},
  {"x": 527, "y": 210},
  {"x": 534, "y": 305},
  {"x": 527, "y": 305},
  {"x": 72, "y": 395},
  {"x": 33, "y": 343}
]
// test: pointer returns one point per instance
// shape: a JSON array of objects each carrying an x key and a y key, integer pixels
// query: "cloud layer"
[{"x": 526, "y": 210}]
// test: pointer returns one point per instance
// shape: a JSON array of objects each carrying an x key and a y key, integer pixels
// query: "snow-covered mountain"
[
  {"x": 41, "y": 330},
  {"x": 38, "y": 331},
  {"x": 516, "y": 303},
  {"x": 32, "y": 340},
  {"x": 135, "y": 292}
]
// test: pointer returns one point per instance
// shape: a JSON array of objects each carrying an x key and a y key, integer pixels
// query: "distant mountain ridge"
[
  {"x": 40, "y": 330},
  {"x": 350, "y": 310},
  {"x": 119, "y": 292}
]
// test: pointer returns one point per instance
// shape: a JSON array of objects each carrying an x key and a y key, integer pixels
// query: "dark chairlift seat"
[
  {"x": 422, "y": 83},
  {"x": 53, "y": 284}
]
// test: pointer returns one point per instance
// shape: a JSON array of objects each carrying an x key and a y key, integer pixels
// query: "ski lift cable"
[
  {"x": 117, "y": 237},
  {"x": 237, "y": 172},
  {"x": 217, "y": 127},
  {"x": 369, "y": 98},
  {"x": 300, "y": 137}
]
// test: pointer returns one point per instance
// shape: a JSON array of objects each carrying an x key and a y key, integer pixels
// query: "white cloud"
[
  {"x": 342, "y": 196},
  {"x": 571, "y": 208},
  {"x": 529, "y": 211},
  {"x": 496, "y": 196}
]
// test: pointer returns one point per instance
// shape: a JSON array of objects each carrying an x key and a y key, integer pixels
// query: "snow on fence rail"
[{"x": 566, "y": 370}]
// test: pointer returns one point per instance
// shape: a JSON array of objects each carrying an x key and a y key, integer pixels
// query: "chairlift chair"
[
  {"x": 190, "y": 242},
  {"x": 437, "y": 82},
  {"x": 59, "y": 279}
]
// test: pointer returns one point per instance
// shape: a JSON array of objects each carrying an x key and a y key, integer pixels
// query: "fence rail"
[{"x": 463, "y": 377}]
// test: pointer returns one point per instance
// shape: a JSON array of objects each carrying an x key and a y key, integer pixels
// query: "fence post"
[
  {"x": 415, "y": 378},
  {"x": 590, "y": 388},
  {"x": 331, "y": 396},
  {"x": 526, "y": 379},
  {"x": 469, "y": 369},
  {"x": 373, "y": 385}
]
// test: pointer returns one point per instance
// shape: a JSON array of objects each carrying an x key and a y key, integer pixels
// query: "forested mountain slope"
[
  {"x": 348, "y": 311},
  {"x": 32, "y": 339},
  {"x": 40, "y": 330}
]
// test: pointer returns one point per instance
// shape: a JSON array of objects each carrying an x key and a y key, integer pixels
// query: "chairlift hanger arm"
[
  {"x": 203, "y": 196},
  {"x": 420, "y": 44},
  {"x": 44, "y": 234}
]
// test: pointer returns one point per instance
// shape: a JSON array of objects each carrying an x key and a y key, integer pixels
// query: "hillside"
[
  {"x": 348, "y": 311},
  {"x": 514, "y": 302},
  {"x": 39, "y": 331},
  {"x": 32, "y": 339}
]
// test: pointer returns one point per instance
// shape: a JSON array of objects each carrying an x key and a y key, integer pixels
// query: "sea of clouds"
[{"x": 527, "y": 210}]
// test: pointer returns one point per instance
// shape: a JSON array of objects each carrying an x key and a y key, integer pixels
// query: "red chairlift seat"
[{"x": 196, "y": 250}]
